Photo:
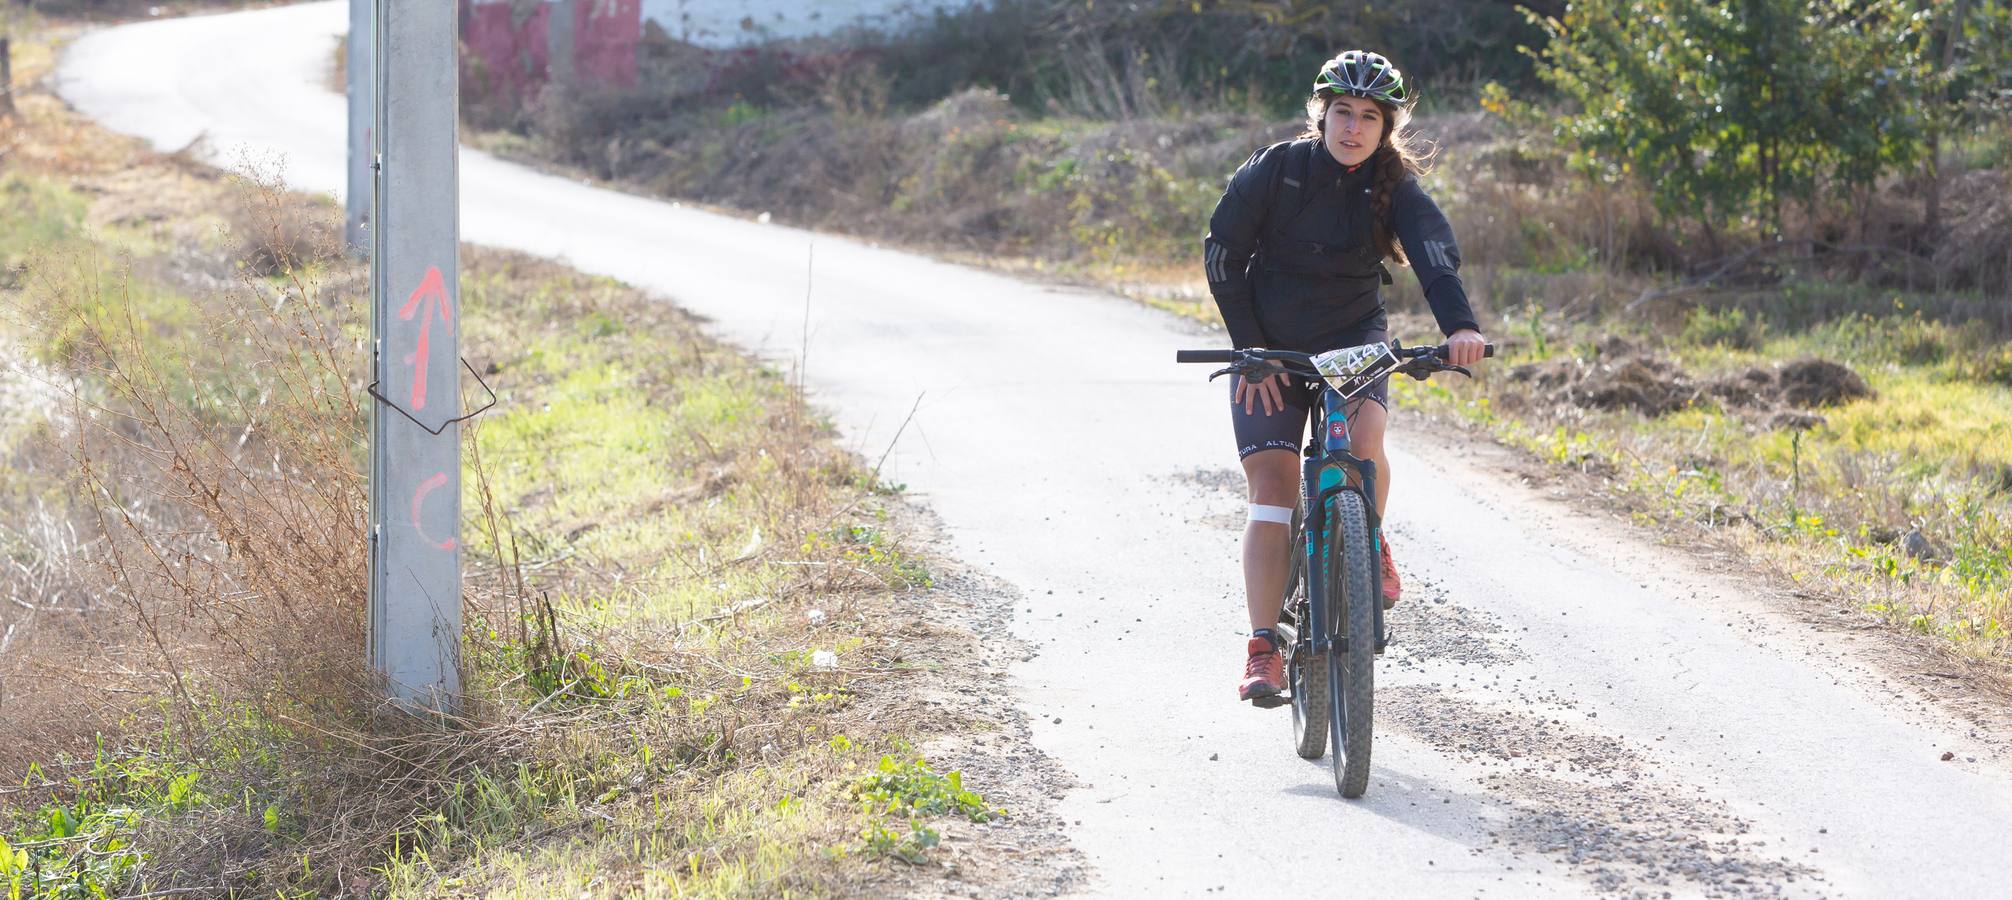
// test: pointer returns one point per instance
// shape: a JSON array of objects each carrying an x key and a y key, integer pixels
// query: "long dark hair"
[{"x": 1397, "y": 156}]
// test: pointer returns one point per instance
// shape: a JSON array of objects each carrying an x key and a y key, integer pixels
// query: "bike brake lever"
[
  {"x": 1252, "y": 370},
  {"x": 1424, "y": 372}
]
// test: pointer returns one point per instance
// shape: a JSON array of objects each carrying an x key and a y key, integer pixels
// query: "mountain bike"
[{"x": 1332, "y": 626}]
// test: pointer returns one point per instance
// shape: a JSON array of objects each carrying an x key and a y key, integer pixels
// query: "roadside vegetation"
[
  {"x": 1750, "y": 261},
  {"x": 692, "y": 621}
]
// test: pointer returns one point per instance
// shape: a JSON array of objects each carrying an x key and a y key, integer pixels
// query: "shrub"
[{"x": 1731, "y": 328}]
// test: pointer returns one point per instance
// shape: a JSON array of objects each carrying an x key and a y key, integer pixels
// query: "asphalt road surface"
[{"x": 1569, "y": 710}]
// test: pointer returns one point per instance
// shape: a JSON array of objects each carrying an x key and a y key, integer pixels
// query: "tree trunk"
[
  {"x": 1932, "y": 219},
  {"x": 6, "y": 81}
]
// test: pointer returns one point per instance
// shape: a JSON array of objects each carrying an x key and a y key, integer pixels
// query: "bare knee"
[
  {"x": 1366, "y": 425},
  {"x": 1273, "y": 477}
]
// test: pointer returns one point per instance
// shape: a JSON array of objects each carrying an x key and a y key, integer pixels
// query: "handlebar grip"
[
  {"x": 1487, "y": 350},
  {"x": 1205, "y": 356}
]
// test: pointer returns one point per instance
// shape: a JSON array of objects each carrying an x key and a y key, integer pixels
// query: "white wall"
[{"x": 730, "y": 23}]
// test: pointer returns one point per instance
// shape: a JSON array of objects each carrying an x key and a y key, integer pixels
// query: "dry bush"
[
  {"x": 48, "y": 625},
  {"x": 971, "y": 172},
  {"x": 223, "y": 455},
  {"x": 276, "y": 233},
  {"x": 223, "y": 461},
  {"x": 1978, "y": 248},
  {"x": 227, "y": 467},
  {"x": 1533, "y": 234}
]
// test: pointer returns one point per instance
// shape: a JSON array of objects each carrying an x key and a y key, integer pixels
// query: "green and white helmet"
[{"x": 1360, "y": 73}]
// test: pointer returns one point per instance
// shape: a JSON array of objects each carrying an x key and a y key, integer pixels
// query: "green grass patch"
[
  {"x": 41, "y": 215},
  {"x": 1900, "y": 502}
]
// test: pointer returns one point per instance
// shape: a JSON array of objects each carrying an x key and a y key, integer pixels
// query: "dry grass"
[
  {"x": 184, "y": 690},
  {"x": 228, "y": 505},
  {"x": 971, "y": 173}
]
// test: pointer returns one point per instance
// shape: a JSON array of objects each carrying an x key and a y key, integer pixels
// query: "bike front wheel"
[{"x": 1351, "y": 595}]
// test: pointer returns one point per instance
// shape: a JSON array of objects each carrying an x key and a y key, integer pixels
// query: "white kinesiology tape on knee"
[{"x": 1279, "y": 514}]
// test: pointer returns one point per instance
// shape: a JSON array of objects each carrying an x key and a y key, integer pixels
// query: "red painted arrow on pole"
[{"x": 433, "y": 289}]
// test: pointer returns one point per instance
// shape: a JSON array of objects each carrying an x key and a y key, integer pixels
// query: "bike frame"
[
  {"x": 1328, "y": 468},
  {"x": 1324, "y": 472}
]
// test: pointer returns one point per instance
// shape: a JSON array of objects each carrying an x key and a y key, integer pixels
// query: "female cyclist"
[{"x": 1295, "y": 258}]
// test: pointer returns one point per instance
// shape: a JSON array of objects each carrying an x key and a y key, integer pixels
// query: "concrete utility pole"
[
  {"x": 415, "y": 454},
  {"x": 360, "y": 76}
]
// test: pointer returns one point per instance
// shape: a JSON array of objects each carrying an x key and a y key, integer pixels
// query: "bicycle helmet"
[{"x": 1360, "y": 73}]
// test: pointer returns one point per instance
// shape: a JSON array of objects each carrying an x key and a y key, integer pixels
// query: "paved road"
[{"x": 1571, "y": 711}]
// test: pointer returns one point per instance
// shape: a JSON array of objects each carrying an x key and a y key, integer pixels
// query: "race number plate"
[{"x": 1352, "y": 369}]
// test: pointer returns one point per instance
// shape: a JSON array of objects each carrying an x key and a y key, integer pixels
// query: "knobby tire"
[{"x": 1351, "y": 592}]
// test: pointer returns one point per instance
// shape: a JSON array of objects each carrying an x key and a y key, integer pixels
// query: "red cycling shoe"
[
  {"x": 1391, "y": 587},
  {"x": 1264, "y": 674}
]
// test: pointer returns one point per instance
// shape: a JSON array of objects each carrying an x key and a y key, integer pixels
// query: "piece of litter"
[
  {"x": 816, "y": 616},
  {"x": 824, "y": 659}
]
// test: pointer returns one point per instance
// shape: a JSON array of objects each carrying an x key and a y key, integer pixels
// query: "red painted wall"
[
  {"x": 605, "y": 36},
  {"x": 503, "y": 56},
  {"x": 507, "y": 44}
]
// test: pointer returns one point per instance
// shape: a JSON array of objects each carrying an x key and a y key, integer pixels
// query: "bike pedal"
[{"x": 1273, "y": 701}]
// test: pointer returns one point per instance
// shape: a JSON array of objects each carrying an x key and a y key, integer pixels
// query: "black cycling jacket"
[{"x": 1291, "y": 259}]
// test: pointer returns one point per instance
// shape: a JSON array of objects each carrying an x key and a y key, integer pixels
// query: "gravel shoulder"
[
  {"x": 1914, "y": 675},
  {"x": 963, "y": 697}
]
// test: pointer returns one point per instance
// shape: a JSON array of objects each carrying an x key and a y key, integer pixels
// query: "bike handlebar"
[
  {"x": 1418, "y": 362},
  {"x": 1230, "y": 356}
]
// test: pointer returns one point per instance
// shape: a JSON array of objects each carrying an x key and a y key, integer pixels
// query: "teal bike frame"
[{"x": 1323, "y": 474}]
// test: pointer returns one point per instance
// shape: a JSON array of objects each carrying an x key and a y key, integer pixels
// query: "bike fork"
[
  {"x": 1314, "y": 569},
  {"x": 1319, "y": 482}
]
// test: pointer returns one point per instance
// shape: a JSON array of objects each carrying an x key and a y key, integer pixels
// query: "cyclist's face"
[{"x": 1354, "y": 129}]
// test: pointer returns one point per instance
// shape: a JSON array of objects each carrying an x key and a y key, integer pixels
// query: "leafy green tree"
[
  {"x": 1729, "y": 109},
  {"x": 1971, "y": 82}
]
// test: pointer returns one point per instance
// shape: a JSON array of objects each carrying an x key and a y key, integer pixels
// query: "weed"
[{"x": 901, "y": 794}]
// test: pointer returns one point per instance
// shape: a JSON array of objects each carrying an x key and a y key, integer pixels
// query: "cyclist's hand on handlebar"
[
  {"x": 1465, "y": 347},
  {"x": 1265, "y": 393}
]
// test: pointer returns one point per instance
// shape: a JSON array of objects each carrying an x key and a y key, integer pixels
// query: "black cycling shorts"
[{"x": 1285, "y": 429}]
